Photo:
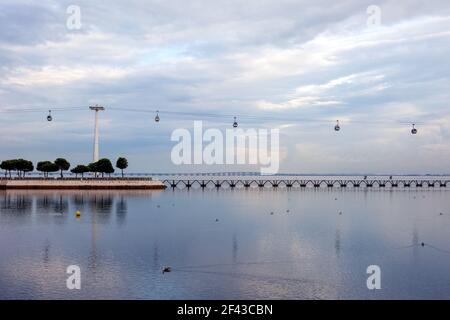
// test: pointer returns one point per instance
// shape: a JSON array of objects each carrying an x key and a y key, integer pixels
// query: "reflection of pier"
[{"x": 309, "y": 183}]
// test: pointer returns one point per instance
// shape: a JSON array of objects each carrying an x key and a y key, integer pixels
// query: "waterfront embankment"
[{"x": 86, "y": 183}]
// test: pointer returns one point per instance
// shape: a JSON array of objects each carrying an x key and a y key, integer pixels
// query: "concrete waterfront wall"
[{"x": 34, "y": 183}]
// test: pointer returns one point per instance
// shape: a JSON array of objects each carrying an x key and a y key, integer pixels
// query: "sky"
[{"x": 291, "y": 65}]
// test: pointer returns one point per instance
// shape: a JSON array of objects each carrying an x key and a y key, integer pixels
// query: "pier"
[
  {"x": 309, "y": 183},
  {"x": 78, "y": 184}
]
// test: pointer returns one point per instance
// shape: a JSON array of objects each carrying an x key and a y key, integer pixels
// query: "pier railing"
[{"x": 307, "y": 183}]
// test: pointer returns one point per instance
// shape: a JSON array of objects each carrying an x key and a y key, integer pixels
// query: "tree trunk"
[
  {"x": 122, "y": 172},
  {"x": 61, "y": 174}
]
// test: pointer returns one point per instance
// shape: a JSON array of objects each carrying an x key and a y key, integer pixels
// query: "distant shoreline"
[{"x": 82, "y": 184}]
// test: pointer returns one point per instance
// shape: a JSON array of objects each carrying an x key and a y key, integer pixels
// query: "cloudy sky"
[{"x": 289, "y": 64}]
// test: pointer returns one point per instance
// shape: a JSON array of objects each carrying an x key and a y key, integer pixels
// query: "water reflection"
[
  {"x": 16, "y": 202},
  {"x": 337, "y": 243},
  {"x": 235, "y": 249},
  {"x": 121, "y": 210},
  {"x": 223, "y": 244},
  {"x": 98, "y": 205}
]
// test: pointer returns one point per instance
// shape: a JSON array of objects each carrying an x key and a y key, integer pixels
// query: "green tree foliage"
[
  {"x": 105, "y": 166},
  {"x": 122, "y": 163},
  {"x": 21, "y": 166},
  {"x": 46, "y": 167},
  {"x": 62, "y": 164},
  {"x": 80, "y": 169},
  {"x": 101, "y": 166},
  {"x": 8, "y": 166},
  {"x": 93, "y": 167}
]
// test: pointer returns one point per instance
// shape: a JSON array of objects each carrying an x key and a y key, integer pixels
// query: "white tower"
[{"x": 96, "y": 108}]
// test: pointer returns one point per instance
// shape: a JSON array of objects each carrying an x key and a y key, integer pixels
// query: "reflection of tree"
[
  {"x": 235, "y": 248},
  {"x": 60, "y": 205},
  {"x": 103, "y": 203},
  {"x": 156, "y": 265},
  {"x": 121, "y": 210},
  {"x": 18, "y": 202},
  {"x": 46, "y": 255},
  {"x": 43, "y": 202},
  {"x": 78, "y": 200},
  {"x": 23, "y": 203},
  {"x": 5, "y": 201},
  {"x": 415, "y": 241},
  {"x": 337, "y": 242}
]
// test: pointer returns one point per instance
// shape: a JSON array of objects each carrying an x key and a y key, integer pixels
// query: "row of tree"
[{"x": 21, "y": 166}]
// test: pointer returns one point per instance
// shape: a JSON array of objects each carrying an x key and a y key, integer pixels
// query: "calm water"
[{"x": 304, "y": 250}]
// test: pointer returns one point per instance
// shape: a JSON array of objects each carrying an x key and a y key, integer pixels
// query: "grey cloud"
[{"x": 226, "y": 57}]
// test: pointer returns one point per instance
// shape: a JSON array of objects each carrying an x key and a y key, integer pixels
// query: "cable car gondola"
[
  {"x": 235, "y": 124},
  {"x": 337, "y": 127},
  {"x": 49, "y": 117},
  {"x": 413, "y": 130},
  {"x": 157, "y": 116}
]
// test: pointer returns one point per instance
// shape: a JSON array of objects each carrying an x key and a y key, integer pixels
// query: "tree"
[
  {"x": 24, "y": 166},
  {"x": 104, "y": 166},
  {"x": 80, "y": 169},
  {"x": 8, "y": 166},
  {"x": 14, "y": 166},
  {"x": 29, "y": 167},
  {"x": 42, "y": 167},
  {"x": 122, "y": 163},
  {"x": 4, "y": 166},
  {"x": 46, "y": 167},
  {"x": 93, "y": 167},
  {"x": 62, "y": 164}
]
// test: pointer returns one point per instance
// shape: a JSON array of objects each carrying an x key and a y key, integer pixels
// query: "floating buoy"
[
  {"x": 166, "y": 269},
  {"x": 217, "y": 220},
  {"x": 78, "y": 214},
  {"x": 271, "y": 213},
  {"x": 422, "y": 244},
  {"x": 157, "y": 116},
  {"x": 49, "y": 117}
]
